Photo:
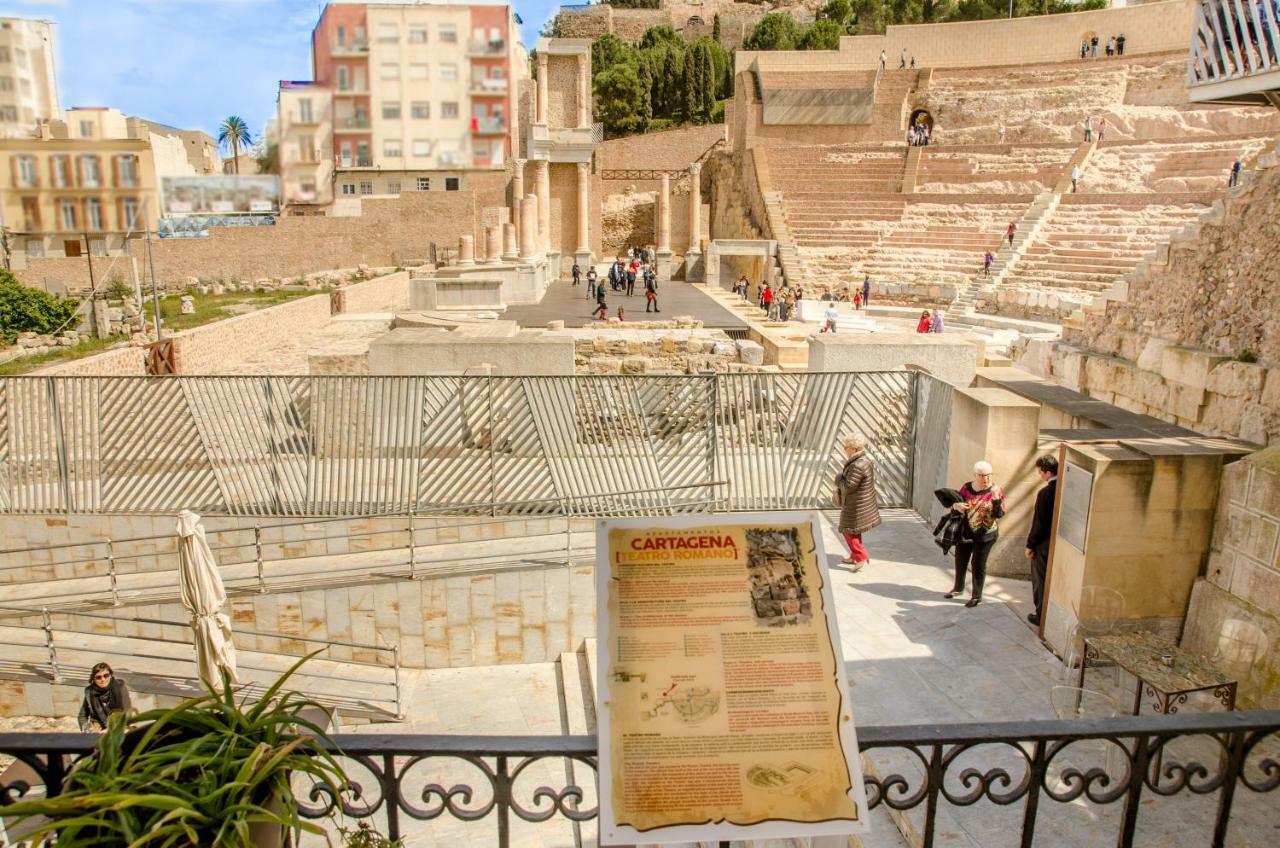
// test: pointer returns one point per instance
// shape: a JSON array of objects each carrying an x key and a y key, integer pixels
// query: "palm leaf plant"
[
  {"x": 235, "y": 132},
  {"x": 201, "y": 773}
]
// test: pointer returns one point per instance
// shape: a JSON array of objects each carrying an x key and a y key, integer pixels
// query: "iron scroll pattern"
[{"x": 397, "y": 780}]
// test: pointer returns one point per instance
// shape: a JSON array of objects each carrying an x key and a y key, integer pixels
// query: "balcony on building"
[
  {"x": 355, "y": 161},
  {"x": 496, "y": 47},
  {"x": 341, "y": 125},
  {"x": 488, "y": 126},
  {"x": 485, "y": 87},
  {"x": 355, "y": 48}
]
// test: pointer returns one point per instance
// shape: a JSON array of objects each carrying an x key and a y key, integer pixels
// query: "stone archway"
[
  {"x": 921, "y": 117},
  {"x": 718, "y": 249}
]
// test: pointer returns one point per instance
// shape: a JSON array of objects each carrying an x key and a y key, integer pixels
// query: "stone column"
[
  {"x": 584, "y": 91},
  {"x": 540, "y": 109},
  {"x": 493, "y": 244},
  {"x": 517, "y": 192},
  {"x": 510, "y": 247},
  {"x": 542, "y": 188},
  {"x": 584, "y": 208},
  {"x": 466, "y": 250},
  {"x": 663, "y": 253},
  {"x": 693, "y": 256},
  {"x": 528, "y": 227}
]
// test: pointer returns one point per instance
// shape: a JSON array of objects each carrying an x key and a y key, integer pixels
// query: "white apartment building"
[
  {"x": 28, "y": 82},
  {"x": 406, "y": 96}
]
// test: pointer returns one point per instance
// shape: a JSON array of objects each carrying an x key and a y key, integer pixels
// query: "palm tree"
[{"x": 235, "y": 132}]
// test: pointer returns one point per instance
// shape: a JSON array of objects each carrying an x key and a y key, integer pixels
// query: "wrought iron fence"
[
  {"x": 1050, "y": 769},
  {"x": 301, "y": 446}
]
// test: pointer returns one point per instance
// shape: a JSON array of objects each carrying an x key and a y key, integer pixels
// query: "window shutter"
[
  {"x": 13, "y": 167},
  {"x": 79, "y": 162},
  {"x": 115, "y": 171}
]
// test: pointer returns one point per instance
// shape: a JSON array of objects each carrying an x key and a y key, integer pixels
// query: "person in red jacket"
[
  {"x": 925, "y": 320},
  {"x": 766, "y": 297}
]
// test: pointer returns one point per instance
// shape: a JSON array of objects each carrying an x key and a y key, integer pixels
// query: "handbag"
[{"x": 837, "y": 494}]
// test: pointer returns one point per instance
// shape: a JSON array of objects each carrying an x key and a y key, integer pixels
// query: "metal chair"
[
  {"x": 1105, "y": 608},
  {"x": 1072, "y": 702}
]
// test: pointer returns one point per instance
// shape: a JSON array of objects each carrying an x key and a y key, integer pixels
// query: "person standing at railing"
[{"x": 106, "y": 694}]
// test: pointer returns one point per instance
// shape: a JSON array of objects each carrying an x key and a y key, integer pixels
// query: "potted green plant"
[{"x": 211, "y": 771}]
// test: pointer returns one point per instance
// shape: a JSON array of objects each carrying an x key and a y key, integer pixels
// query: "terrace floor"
[{"x": 567, "y": 302}]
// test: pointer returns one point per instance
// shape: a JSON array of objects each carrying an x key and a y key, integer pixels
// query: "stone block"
[
  {"x": 751, "y": 353},
  {"x": 1264, "y": 484},
  {"x": 1186, "y": 402},
  {"x": 1189, "y": 366},
  {"x": 635, "y": 365}
]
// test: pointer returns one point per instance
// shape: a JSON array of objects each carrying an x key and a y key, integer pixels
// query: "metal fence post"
[
  {"x": 111, "y": 572},
  {"x": 396, "y": 654},
  {"x": 48, "y": 643},
  {"x": 413, "y": 550},
  {"x": 568, "y": 539},
  {"x": 257, "y": 547}
]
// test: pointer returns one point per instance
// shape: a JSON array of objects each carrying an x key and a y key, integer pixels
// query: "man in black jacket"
[{"x": 1038, "y": 537}]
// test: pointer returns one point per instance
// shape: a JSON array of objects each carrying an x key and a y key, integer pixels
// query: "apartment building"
[
  {"x": 88, "y": 182},
  {"x": 405, "y": 97},
  {"x": 28, "y": 82}
]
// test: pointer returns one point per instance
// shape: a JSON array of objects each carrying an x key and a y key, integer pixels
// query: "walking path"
[{"x": 566, "y": 302}]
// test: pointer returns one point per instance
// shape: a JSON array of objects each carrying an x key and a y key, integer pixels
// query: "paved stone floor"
[{"x": 566, "y": 302}]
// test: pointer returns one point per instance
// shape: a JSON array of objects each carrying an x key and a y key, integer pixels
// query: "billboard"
[{"x": 220, "y": 194}]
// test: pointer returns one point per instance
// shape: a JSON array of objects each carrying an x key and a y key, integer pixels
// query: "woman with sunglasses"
[
  {"x": 982, "y": 503},
  {"x": 105, "y": 694}
]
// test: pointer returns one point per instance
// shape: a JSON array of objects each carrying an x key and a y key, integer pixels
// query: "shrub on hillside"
[
  {"x": 28, "y": 310},
  {"x": 776, "y": 31}
]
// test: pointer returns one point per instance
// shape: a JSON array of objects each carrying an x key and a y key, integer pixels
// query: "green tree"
[
  {"x": 776, "y": 31},
  {"x": 823, "y": 35},
  {"x": 609, "y": 50},
  {"x": 622, "y": 102},
  {"x": 715, "y": 28},
  {"x": 234, "y": 133},
  {"x": 267, "y": 157},
  {"x": 28, "y": 310},
  {"x": 664, "y": 34},
  {"x": 837, "y": 11}
]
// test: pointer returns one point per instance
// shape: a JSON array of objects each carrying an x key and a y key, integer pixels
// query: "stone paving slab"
[{"x": 566, "y": 302}]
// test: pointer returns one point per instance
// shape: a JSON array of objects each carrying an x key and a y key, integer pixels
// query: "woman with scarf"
[
  {"x": 982, "y": 503},
  {"x": 105, "y": 694}
]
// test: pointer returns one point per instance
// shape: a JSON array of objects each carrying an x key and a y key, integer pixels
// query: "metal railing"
[
  {"x": 1233, "y": 39},
  {"x": 57, "y": 635},
  {"x": 265, "y": 547},
  {"x": 304, "y": 446},
  {"x": 1050, "y": 769}
]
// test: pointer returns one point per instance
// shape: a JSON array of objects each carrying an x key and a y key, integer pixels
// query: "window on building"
[
  {"x": 71, "y": 248},
  {"x": 86, "y": 129},
  {"x": 6, "y": 83},
  {"x": 477, "y": 34},
  {"x": 391, "y": 148},
  {"x": 424, "y": 184},
  {"x": 306, "y": 148},
  {"x": 304, "y": 111},
  {"x": 346, "y": 154},
  {"x": 307, "y": 190},
  {"x": 344, "y": 78},
  {"x": 341, "y": 36},
  {"x": 389, "y": 71},
  {"x": 388, "y": 33},
  {"x": 93, "y": 213},
  {"x": 4, "y": 55},
  {"x": 448, "y": 34},
  {"x": 359, "y": 39},
  {"x": 419, "y": 71},
  {"x": 360, "y": 81},
  {"x": 27, "y": 177},
  {"x": 391, "y": 110},
  {"x": 31, "y": 213},
  {"x": 98, "y": 247},
  {"x": 417, "y": 35},
  {"x": 127, "y": 169},
  {"x": 393, "y": 187},
  {"x": 129, "y": 212},
  {"x": 450, "y": 183},
  {"x": 349, "y": 189},
  {"x": 67, "y": 214},
  {"x": 420, "y": 110},
  {"x": 363, "y": 158},
  {"x": 90, "y": 172},
  {"x": 8, "y": 113},
  {"x": 421, "y": 147},
  {"x": 495, "y": 35},
  {"x": 448, "y": 110},
  {"x": 448, "y": 72},
  {"x": 19, "y": 57},
  {"x": 366, "y": 186},
  {"x": 24, "y": 85},
  {"x": 35, "y": 248}
]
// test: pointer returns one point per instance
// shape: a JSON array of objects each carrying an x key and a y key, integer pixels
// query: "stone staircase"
[{"x": 1028, "y": 226}]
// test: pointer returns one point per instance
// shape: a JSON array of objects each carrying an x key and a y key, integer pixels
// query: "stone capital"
[
  {"x": 584, "y": 169},
  {"x": 695, "y": 168},
  {"x": 519, "y": 163}
]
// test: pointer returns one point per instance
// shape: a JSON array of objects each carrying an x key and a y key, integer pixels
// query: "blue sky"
[{"x": 190, "y": 63}]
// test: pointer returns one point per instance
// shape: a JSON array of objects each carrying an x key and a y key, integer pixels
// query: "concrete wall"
[
  {"x": 1239, "y": 596},
  {"x": 946, "y": 357},
  {"x": 410, "y": 351}
]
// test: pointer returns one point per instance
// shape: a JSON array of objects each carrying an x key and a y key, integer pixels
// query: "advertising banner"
[
  {"x": 220, "y": 194},
  {"x": 724, "y": 710}
]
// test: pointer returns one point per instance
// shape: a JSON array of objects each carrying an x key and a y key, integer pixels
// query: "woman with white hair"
[
  {"x": 982, "y": 503},
  {"x": 855, "y": 494}
]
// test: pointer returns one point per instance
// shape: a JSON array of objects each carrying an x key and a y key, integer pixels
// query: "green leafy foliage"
[
  {"x": 28, "y": 310},
  {"x": 823, "y": 35},
  {"x": 117, "y": 288},
  {"x": 837, "y": 11},
  {"x": 200, "y": 773},
  {"x": 622, "y": 100},
  {"x": 364, "y": 836},
  {"x": 776, "y": 31}
]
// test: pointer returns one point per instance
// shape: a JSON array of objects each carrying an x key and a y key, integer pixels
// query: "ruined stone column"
[
  {"x": 542, "y": 188},
  {"x": 466, "y": 250},
  {"x": 493, "y": 244},
  {"x": 584, "y": 91},
  {"x": 662, "y": 255},
  {"x": 693, "y": 256},
  {"x": 510, "y": 248},
  {"x": 584, "y": 208},
  {"x": 517, "y": 193},
  {"x": 528, "y": 227},
  {"x": 540, "y": 109}
]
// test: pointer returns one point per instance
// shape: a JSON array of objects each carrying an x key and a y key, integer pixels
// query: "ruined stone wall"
[
  {"x": 680, "y": 346},
  {"x": 391, "y": 232},
  {"x": 562, "y": 91},
  {"x": 666, "y": 150},
  {"x": 125, "y": 362},
  {"x": 1235, "y": 609}
]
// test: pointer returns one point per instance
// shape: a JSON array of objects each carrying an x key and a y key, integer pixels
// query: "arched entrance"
[{"x": 921, "y": 117}]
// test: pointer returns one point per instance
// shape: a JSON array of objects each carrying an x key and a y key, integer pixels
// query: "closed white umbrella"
[{"x": 204, "y": 596}]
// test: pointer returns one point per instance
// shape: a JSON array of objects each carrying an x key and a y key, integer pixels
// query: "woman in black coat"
[{"x": 105, "y": 694}]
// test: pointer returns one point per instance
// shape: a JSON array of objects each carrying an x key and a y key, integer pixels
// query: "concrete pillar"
[
  {"x": 540, "y": 109},
  {"x": 584, "y": 208},
  {"x": 466, "y": 250},
  {"x": 528, "y": 227},
  {"x": 517, "y": 192},
  {"x": 693, "y": 256},
  {"x": 663, "y": 253},
  {"x": 510, "y": 246},
  {"x": 584, "y": 90},
  {"x": 542, "y": 188},
  {"x": 493, "y": 244}
]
